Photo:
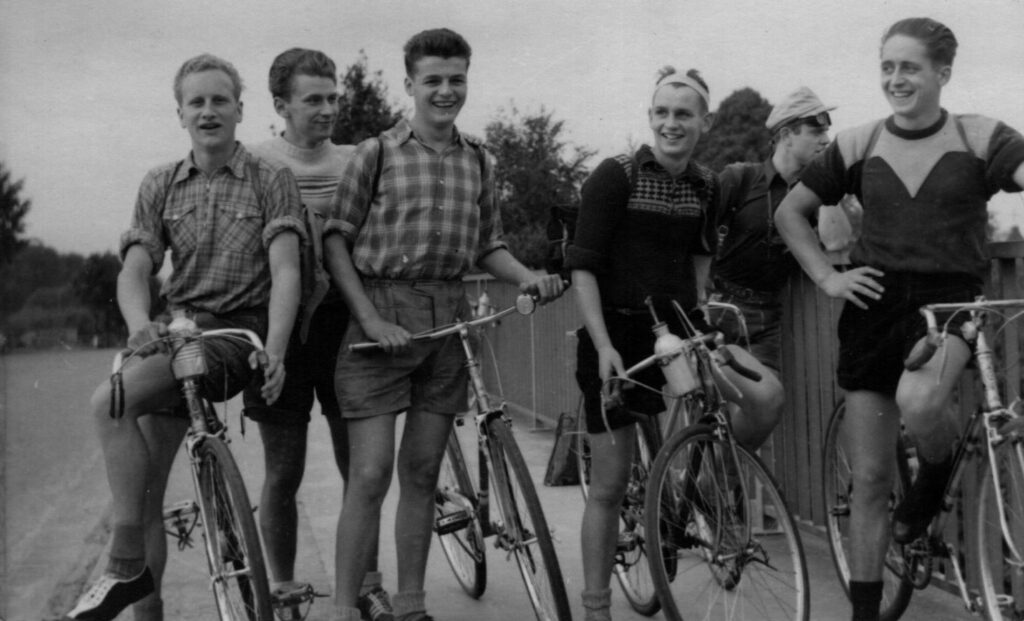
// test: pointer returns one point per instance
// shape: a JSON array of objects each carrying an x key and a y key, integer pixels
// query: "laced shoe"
[
  {"x": 375, "y": 605},
  {"x": 109, "y": 596}
]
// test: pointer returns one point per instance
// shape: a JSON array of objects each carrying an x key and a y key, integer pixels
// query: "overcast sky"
[{"x": 86, "y": 105}]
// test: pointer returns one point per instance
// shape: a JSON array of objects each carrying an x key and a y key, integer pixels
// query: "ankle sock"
[
  {"x": 408, "y": 602},
  {"x": 371, "y": 580},
  {"x": 866, "y": 598},
  {"x": 597, "y": 605},
  {"x": 127, "y": 552}
]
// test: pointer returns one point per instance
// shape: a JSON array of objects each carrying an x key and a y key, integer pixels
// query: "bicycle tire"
[
  {"x": 896, "y": 591},
  {"x": 238, "y": 574},
  {"x": 729, "y": 555},
  {"x": 523, "y": 529},
  {"x": 631, "y": 565},
  {"x": 1002, "y": 593},
  {"x": 464, "y": 546}
]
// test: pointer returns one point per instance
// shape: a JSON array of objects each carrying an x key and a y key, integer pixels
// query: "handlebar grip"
[
  {"x": 730, "y": 361},
  {"x": 922, "y": 352},
  {"x": 363, "y": 346}
]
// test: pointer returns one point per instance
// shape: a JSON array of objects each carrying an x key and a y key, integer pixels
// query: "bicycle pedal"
[
  {"x": 451, "y": 522},
  {"x": 180, "y": 509},
  {"x": 627, "y": 542}
]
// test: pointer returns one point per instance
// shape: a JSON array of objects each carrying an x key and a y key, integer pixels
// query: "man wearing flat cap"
[{"x": 753, "y": 263}]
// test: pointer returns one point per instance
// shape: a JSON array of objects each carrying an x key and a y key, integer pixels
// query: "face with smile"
[
  {"x": 677, "y": 119},
  {"x": 438, "y": 87},
  {"x": 912, "y": 82},
  {"x": 806, "y": 141},
  {"x": 310, "y": 111},
  {"x": 209, "y": 110}
]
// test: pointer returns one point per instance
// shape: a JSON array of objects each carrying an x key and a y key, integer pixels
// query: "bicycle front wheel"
[
  {"x": 239, "y": 577},
  {"x": 731, "y": 549},
  {"x": 457, "y": 521},
  {"x": 838, "y": 490},
  {"x": 1000, "y": 533},
  {"x": 523, "y": 529},
  {"x": 631, "y": 566}
]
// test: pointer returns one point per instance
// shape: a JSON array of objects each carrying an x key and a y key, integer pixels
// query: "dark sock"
[
  {"x": 867, "y": 600},
  {"x": 127, "y": 552},
  {"x": 925, "y": 497}
]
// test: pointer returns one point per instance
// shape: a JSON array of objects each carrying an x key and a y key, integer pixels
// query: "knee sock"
[
  {"x": 597, "y": 605},
  {"x": 408, "y": 603},
  {"x": 127, "y": 552},
  {"x": 867, "y": 600},
  {"x": 371, "y": 580}
]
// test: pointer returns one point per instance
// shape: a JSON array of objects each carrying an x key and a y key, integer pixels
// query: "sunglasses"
[{"x": 821, "y": 119}]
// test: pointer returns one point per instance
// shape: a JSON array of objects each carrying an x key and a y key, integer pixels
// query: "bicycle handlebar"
[
  {"x": 525, "y": 305},
  {"x": 720, "y": 356},
  {"x": 924, "y": 350}
]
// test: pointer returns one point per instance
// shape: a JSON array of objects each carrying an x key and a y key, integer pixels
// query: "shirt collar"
[
  {"x": 645, "y": 157},
  {"x": 403, "y": 133},
  {"x": 235, "y": 164}
]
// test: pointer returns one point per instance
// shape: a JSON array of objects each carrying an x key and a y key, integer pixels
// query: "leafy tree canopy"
[
  {"x": 364, "y": 108},
  {"x": 738, "y": 133},
  {"x": 12, "y": 213},
  {"x": 537, "y": 168}
]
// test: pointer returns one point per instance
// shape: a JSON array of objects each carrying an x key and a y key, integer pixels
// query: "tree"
[
  {"x": 95, "y": 286},
  {"x": 738, "y": 134},
  {"x": 36, "y": 266},
  {"x": 364, "y": 109},
  {"x": 12, "y": 213},
  {"x": 536, "y": 170}
]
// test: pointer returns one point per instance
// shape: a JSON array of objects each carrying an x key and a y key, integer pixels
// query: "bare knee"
[
  {"x": 606, "y": 494},
  {"x": 368, "y": 483},
  {"x": 419, "y": 473},
  {"x": 872, "y": 484}
]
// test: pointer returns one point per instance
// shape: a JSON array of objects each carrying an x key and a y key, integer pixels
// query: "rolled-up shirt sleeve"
[
  {"x": 147, "y": 218},
  {"x": 603, "y": 202},
  {"x": 355, "y": 190},
  {"x": 283, "y": 206},
  {"x": 490, "y": 214}
]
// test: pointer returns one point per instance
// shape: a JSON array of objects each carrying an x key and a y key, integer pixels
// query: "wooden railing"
[{"x": 536, "y": 355}]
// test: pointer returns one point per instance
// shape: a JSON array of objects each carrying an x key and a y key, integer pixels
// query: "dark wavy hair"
[
  {"x": 299, "y": 61},
  {"x": 937, "y": 38}
]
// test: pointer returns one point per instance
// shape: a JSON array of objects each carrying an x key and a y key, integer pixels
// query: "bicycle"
[
  {"x": 728, "y": 545},
  {"x": 463, "y": 510},
  {"x": 992, "y": 440},
  {"x": 238, "y": 575}
]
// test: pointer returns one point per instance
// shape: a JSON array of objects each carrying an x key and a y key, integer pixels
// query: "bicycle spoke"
[{"x": 1000, "y": 530}]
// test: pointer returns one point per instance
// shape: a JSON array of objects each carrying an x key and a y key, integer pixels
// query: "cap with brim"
[{"x": 800, "y": 104}]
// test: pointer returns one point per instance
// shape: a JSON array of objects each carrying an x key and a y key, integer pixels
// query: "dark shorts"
[
  {"x": 763, "y": 317},
  {"x": 430, "y": 377},
  {"x": 309, "y": 372},
  {"x": 227, "y": 360},
  {"x": 874, "y": 342},
  {"x": 632, "y": 338}
]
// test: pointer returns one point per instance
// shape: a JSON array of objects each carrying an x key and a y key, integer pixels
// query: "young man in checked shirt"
[
  {"x": 398, "y": 246},
  {"x": 234, "y": 244}
]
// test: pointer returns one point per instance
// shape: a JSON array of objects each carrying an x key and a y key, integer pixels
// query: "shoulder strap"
[
  {"x": 963, "y": 136},
  {"x": 376, "y": 172},
  {"x": 170, "y": 182},
  {"x": 632, "y": 170},
  {"x": 257, "y": 184},
  {"x": 875, "y": 133}
]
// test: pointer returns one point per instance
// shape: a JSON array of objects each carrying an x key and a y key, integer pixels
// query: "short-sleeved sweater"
[
  {"x": 924, "y": 192},
  {"x": 642, "y": 244}
]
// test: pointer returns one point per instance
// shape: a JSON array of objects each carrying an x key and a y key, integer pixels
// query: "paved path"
[{"x": 56, "y": 498}]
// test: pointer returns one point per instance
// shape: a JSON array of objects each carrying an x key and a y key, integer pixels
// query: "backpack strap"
[
  {"x": 747, "y": 175},
  {"x": 875, "y": 133}
]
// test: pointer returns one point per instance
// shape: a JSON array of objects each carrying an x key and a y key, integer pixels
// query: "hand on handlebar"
[
  {"x": 854, "y": 284},
  {"x": 147, "y": 340},
  {"x": 546, "y": 288},
  {"x": 392, "y": 338}
]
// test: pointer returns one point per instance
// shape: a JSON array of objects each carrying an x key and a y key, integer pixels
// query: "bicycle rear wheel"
[
  {"x": 1000, "y": 533},
  {"x": 239, "y": 577},
  {"x": 457, "y": 521},
  {"x": 731, "y": 545},
  {"x": 838, "y": 489},
  {"x": 523, "y": 529}
]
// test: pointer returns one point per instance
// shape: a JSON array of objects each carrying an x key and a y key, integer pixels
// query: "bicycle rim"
[
  {"x": 464, "y": 548},
  {"x": 238, "y": 575},
  {"x": 581, "y": 448},
  {"x": 838, "y": 489},
  {"x": 631, "y": 567},
  {"x": 523, "y": 530},
  {"x": 728, "y": 555},
  {"x": 999, "y": 548}
]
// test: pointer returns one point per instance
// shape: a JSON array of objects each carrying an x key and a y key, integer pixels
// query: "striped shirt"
[
  {"x": 433, "y": 215},
  {"x": 217, "y": 229}
]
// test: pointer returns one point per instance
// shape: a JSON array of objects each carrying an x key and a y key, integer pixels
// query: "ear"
[
  {"x": 707, "y": 122},
  {"x": 408, "y": 85},
  {"x": 281, "y": 107},
  {"x": 181, "y": 117},
  {"x": 239, "y": 112},
  {"x": 945, "y": 73}
]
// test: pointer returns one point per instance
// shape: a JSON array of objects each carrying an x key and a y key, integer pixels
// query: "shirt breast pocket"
[
  {"x": 182, "y": 227},
  {"x": 239, "y": 228}
]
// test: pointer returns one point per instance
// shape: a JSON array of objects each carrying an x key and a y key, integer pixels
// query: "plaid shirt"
[
  {"x": 433, "y": 216},
  {"x": 216, "y": 228}
]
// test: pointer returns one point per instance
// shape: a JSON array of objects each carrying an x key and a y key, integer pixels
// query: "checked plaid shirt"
[
  {"x": 433, "y": 217},
  {"x": 216, "y": 228}
]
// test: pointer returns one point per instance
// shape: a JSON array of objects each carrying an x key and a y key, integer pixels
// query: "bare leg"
[
  {"x": 284, "y": 456},
  {"x": 759, "y": 404},
  {"x": 924, "y": 400},
  {"x": 611, "y": 454}
]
